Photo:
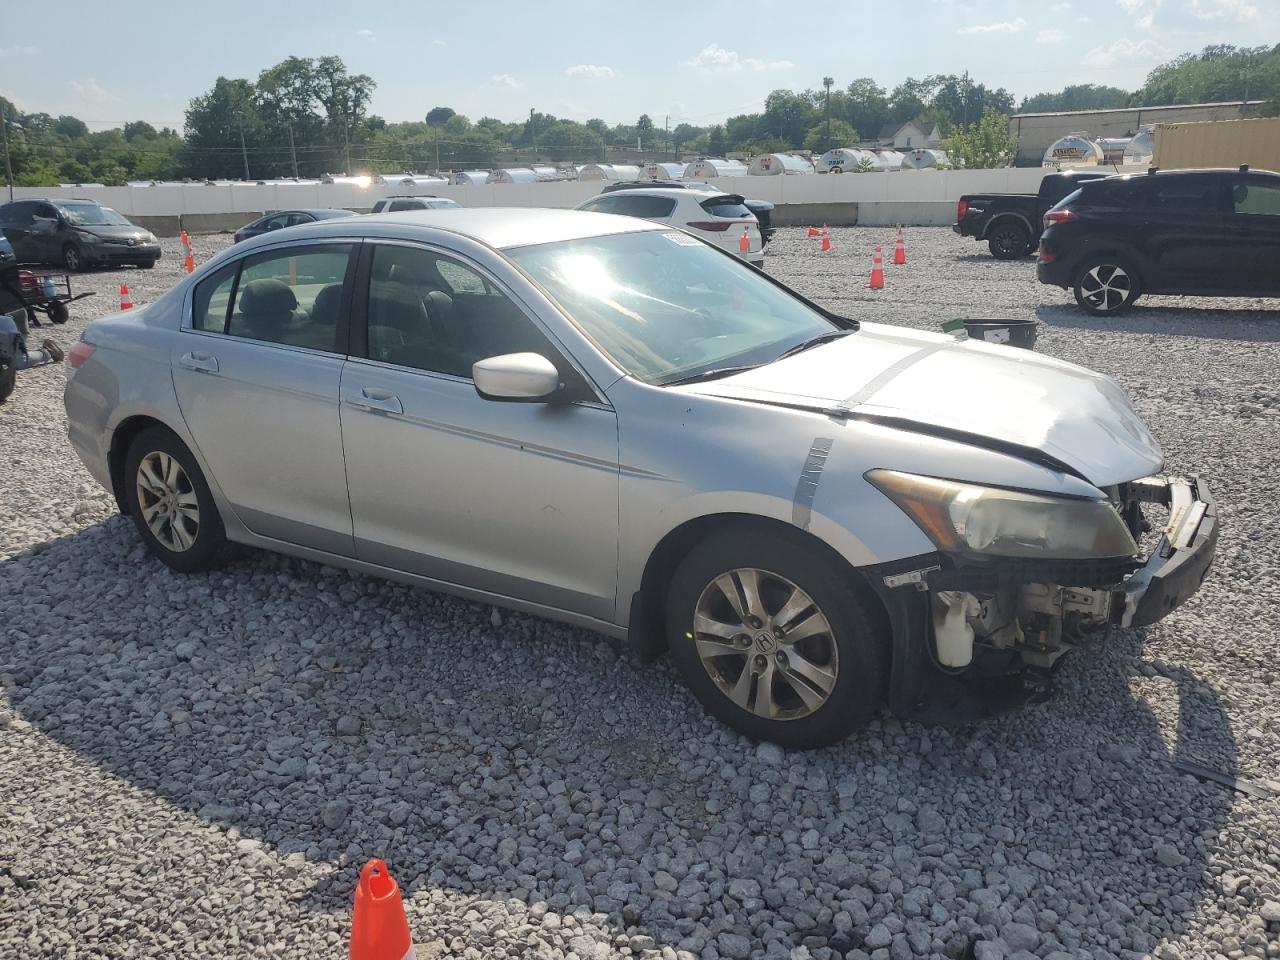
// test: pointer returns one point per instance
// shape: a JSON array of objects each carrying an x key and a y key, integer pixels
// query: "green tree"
[
  {"x": 787, "y": 117},
  {"x": 983, "y": 145},
  {"x": 644, "y": 128},
  {"x": 437, "y": 116},
  {"x": 716, "y": 144},
  {"x": 864, "y": 106},
  {"x": 842, "y": 135},
  {"x": 1077, "y": 96}
]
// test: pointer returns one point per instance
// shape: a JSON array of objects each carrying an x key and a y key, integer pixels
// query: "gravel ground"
[{"x": 199, "y": 765}]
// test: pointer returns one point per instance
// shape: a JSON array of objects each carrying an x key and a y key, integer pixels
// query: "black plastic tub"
[{"x": 1015, "y": 333}]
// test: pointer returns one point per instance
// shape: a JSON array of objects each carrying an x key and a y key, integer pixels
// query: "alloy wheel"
[
  {"x": 168, "y": 502},
  {"x": 1106, "y": 287},
  {"x": 765, "y": 644},
  {"x": 1010, "y": 242},
  {"x": 71, "y": 257}
]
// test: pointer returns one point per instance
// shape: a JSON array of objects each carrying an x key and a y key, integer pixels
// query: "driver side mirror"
[{"x": 520, "y": 378}]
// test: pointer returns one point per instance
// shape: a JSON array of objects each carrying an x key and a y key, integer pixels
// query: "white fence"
[{"x": 907, "y": 186}]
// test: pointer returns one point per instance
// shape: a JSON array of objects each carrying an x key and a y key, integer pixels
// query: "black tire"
[
  {"x": 146, "y": 264},
  {"x": 8, "y": 379},
  {"x": 58, "y": 312},
  {"x": 1008, "y": 240},
  {"x": 1105, "y": 285},
  {"x": 206, "y": 549},
  {"x": 859, "y": 660},
  {"x": 72, "y": 258}
]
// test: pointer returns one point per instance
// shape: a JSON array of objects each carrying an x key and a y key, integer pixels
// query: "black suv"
[
  {"x": 1195, "y": 232},
  {"x": 75, "y": 234}
]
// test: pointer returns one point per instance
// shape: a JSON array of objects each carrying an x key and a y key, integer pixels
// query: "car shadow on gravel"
[
  {"x": 492, "y": 756},
  {"x": 1212, "y": 323}
]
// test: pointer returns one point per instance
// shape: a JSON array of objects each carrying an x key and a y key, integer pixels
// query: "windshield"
[
  {"x": 665, "y": 306},
  {"x": 91, "y": 215}
]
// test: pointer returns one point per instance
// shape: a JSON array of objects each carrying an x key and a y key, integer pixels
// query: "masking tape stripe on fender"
[{"x": 807, "y": 487}]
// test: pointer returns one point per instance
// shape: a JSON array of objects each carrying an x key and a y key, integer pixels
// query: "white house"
[{"x": 905, "y": 137}]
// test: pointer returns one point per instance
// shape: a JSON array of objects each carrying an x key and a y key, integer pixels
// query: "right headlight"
[
  {"x": 968, "y": 518},
  {"x": 86, "y": 237}
]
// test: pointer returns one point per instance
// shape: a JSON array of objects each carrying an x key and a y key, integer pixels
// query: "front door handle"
[
  {"x": 204, "y": 362},
  {"x": 378, "y": 400}
]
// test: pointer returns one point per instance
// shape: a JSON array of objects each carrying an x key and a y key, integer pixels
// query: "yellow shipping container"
[{"x": 1219, "y": 143}]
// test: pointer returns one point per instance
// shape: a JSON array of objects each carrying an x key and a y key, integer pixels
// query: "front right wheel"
[{"x": 774, "y": 640}]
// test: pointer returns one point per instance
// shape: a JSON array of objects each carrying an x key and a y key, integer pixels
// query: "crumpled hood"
[
  {"x": 1011, "y": 396},
  {"x": 114, "y": 231}
]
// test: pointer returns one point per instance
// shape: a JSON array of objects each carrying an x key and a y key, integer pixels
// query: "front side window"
[
  {"x": 434, "y": 313},
  {"x": 91, "y": 215},
  {"x": 664, "y": 306},
  {"x": 291, "y": 297},
  {"x": 1259, "y": 199}
]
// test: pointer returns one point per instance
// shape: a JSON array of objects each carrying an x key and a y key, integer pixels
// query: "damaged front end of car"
[{"x": 1020, "y": 579}]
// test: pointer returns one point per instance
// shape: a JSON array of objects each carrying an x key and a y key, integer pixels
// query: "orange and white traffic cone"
[
  {"x": 826, "y": 238},
  {"x": 900, "y": 251},
  {"x": 877, "y": 271},
  {"x": 744, "y": 241},
  {"x": 189, "y": 263},
  {"x": 126, "y": 302},
  {"x": 815, "y": 232},
  {"x": 379, "y": 929}
]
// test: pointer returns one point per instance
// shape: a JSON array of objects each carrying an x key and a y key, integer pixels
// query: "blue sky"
[{"x": 696, "y": 61}]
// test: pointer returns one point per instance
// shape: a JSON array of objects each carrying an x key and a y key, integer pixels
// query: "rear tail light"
[
  {"x": 962, "y": 209},
  {"x": 79, "y": 353},
  {"x": 1066, "y": 215},
  {"x": 712, "y": 226}
]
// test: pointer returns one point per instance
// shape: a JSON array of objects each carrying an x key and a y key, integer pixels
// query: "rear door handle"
[
  {"x": 378, "y": 400},
  {"x": 204, "y": 362}
]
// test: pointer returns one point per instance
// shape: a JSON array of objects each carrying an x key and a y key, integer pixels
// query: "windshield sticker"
[{"x": 683, "y": 239}]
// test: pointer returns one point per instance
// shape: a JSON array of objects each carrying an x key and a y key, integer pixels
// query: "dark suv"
[
  {"x": 1195, "y": 232},
  {"x": 75, "y": 234}
]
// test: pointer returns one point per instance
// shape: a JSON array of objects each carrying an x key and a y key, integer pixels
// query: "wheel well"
[
  {"x": 1006, "y": 217},
  {"x": 646, "y": 629},
  {"x": 1088, "y": 255},
  {"x": 121, "y": 440}
]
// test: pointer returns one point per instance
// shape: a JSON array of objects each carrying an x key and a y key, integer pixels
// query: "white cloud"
[
  {"x": 714, "y": 58},
  {"x": 1007, "y": 26},
  {"x": 1231, "y": 9},
  {"x": 1062, "y": 7},
  {"x": 17, "y": 51},
  {"x": 365, "y": 34},
  {"x": 503, "y": 80},
  {"x": 1125, "y": 50},
  {"x": 1142, "y": 11},
  {"x": 1050, "y": 35},
  {"x": 91, "y": 91},
  {"x": 439, "y": 43},
  {"x": 589, "y": 71}
]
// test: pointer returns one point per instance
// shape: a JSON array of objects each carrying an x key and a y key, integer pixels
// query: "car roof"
[
  {"x": 665, "y": 192},
  {"x": 497, "y": 227},
  {"x": 312, "y": 211}
]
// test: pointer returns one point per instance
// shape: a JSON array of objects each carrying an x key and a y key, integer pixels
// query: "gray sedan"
[{"x": 609, "y": 422}]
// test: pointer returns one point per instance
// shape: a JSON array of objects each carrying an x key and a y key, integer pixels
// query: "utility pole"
[
  {"x": 964, "y": 98},
  {"x": 346, "y": 142},
  {"x": 8, "y": 169},
  {"x": 244, "y": 152},
  {"x": 533, "y": 134},
  {"x": 826, "y": 137},
  {"x": 666, "y": 126},
  {"x": 437, "y": 156},
  {"x": 293, "y": 154}
]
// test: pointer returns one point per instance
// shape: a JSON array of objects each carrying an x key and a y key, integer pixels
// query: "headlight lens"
[
  {"x": 967, "y": 518},
  {"x": 88, "y": 237}
]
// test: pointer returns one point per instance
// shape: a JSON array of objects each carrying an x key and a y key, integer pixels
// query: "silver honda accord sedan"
[{"x": 607, "y": 421}]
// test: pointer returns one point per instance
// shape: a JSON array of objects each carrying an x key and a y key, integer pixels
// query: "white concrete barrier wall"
[{"x": 907, "y": 186}]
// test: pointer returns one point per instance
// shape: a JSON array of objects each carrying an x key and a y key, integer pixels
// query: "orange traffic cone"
[
  {"x": 126, "y": 302},
  {"x": 900, "y": 251},
  {"x": 744, "y": 241},
  {"x": 379, "y": 930},
  {"x": 826, "y": 238},
  {"x": 189, "y": 264},
  {"x": 815, "y": 232},
  {"x": 877, "y": 271}
]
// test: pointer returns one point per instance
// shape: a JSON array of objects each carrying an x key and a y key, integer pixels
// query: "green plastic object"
[{"x": 951, "y": 326}]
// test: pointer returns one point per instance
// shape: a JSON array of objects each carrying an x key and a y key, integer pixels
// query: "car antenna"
[
  {"x": 1244, "y": 168},
  {"x": 1151, "y": 170}
]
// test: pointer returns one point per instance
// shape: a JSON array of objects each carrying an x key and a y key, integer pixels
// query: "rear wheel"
[
  {"x": 8, "y": 379},
  {"x": 171, "y": 503},
  {"x": 1009, "y": 240},
  {"x": 146, "y": 264},
  {"x": 1107, "y": 285},
  {"x": 773, "y": 641}
]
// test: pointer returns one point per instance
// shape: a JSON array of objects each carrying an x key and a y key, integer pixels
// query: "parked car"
[
  {"x": 286, "y": 218},
  {"x": 1213, "y": 233},
  {"x": 75, "y": 234},
  {"x": 600, "y": 420},
  {"x": 1011, "y": 222},
  {"x": 396, "y": 204},
  {"x": 718, "y": 218},
  {"x": 762, "y": 209}
]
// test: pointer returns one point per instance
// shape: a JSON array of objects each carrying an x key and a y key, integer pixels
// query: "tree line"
[{"x": 310, "y": 116}]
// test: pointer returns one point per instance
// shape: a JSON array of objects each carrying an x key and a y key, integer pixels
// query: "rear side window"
[
  {"x": 1112, "y": 193},
  {"x": 727, "y": 208},
  {"x": 646, "y": 208},
  {"x": 1187, "y": 195},
  {"x": 602, "y": 205},
  {"x": 1261, "y": 199},
  {"x": 18, "y": 213},
  {"x": 404, "y": 205},
  {"x": 212, "y": 299}
]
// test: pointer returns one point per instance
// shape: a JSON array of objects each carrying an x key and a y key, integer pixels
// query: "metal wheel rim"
[
  {"x": 73, "y": 258},
  {"x": 168, "y": 502},
  {"x": 1105, "y": 287},
  {"x": 1008, "y": 240},
  {"x": 765, "y": 644}
]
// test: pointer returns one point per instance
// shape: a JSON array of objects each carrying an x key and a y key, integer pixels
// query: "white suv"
[
  {"x": 396, "y": 204},
  {"x": 719, "y": 218}
]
